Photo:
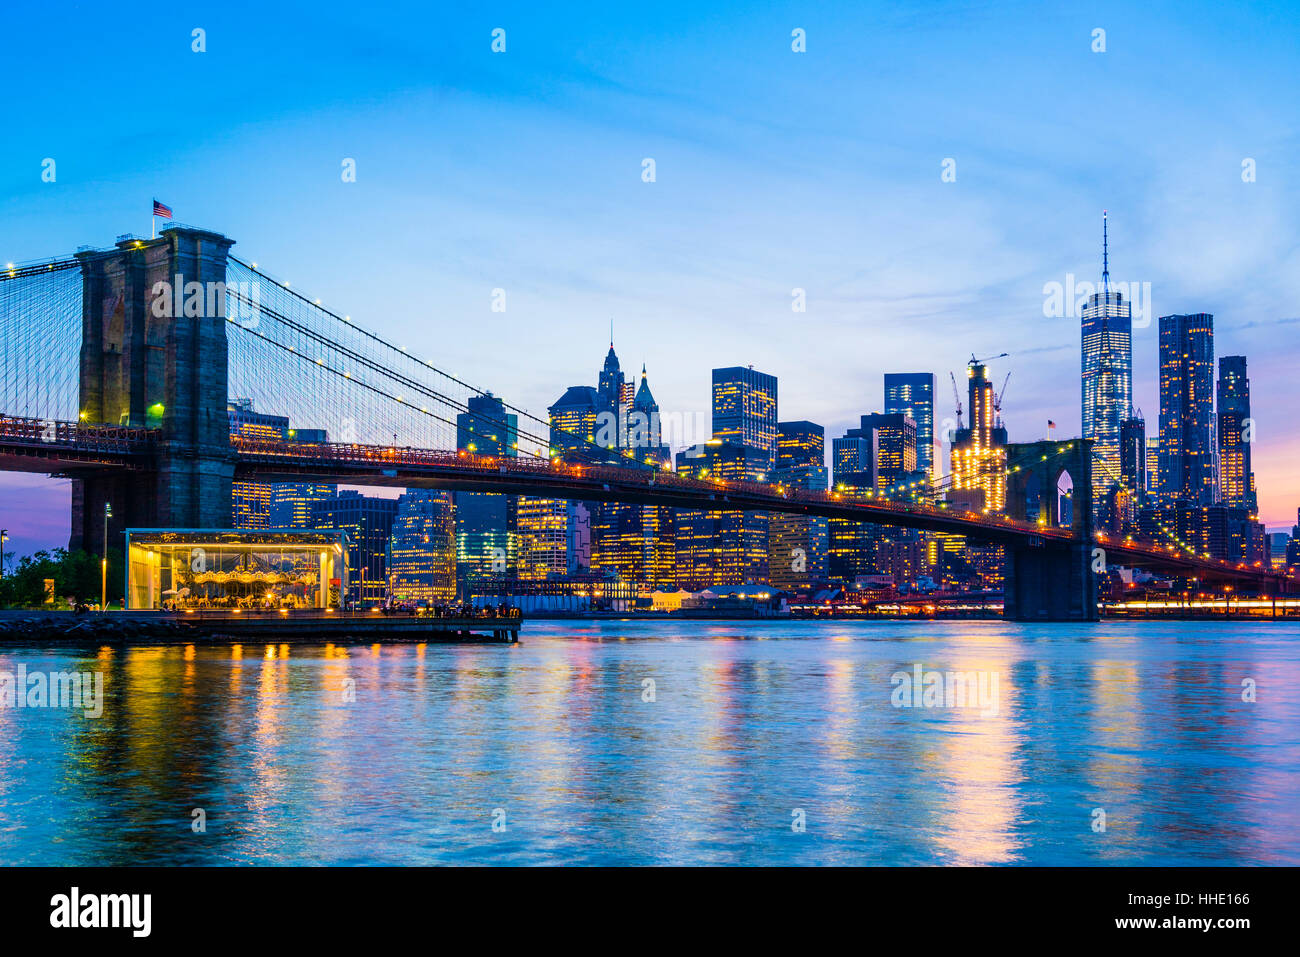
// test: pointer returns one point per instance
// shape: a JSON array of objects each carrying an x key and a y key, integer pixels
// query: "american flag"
[
  {"x": 160, "y": 210},
  {"x": 1051, "y": 424}
]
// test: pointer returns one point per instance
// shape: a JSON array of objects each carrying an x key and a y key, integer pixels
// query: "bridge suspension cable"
[
  {"x": 362, "y": 387},
  {"x": 40, "y": 339}
]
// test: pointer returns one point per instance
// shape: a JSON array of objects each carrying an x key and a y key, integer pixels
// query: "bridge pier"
[
  {"x": 1049, "y": 582},
  {"x": 164, "y": 371}
]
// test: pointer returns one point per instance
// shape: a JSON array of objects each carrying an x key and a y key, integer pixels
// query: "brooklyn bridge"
[{"x": 124, "y": 390}]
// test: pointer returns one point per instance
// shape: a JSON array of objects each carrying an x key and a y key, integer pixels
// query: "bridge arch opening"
[{"x": 1064, "y": 517}]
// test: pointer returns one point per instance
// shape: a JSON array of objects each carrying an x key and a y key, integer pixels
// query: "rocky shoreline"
[{"x": 47, "y": 627}]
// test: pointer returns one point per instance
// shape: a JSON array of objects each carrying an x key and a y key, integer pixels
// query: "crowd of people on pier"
[{"x": 451, "y": 610}]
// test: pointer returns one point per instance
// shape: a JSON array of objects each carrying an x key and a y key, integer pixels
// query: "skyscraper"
[
  {"x": 851, "y": 546},
  {"x": 1153, "y": 465},
  {"x": 487, "y": 543},
  {"x": 1236, "y": 480},
  {"x": 636, "y": 543},
  {"x": 912, "y": 394},
  {"x": 1131, "y": 493},
  {"x": 542, "y": 525},
  {"x": 1186, "y": 408},
  {"x": 422, "y": 550},
  {"x": 573, "y": 419},
  {"x": 798, "y": 545},
  {"x": 897, "y": 454},
  {"x": 1107, "y": 355},
  {"x": 722, "y": 548},
  {"x": 800, "y": 443},
  {"x": 853, "y": 460},
  {"x": 368, "y": 520},
  {"x": 745, "y": 409},
  {"x": 611, "y": 384},
  {"x": 291, "y": 503},
  {"x": 486, "y": 428},
  {"x": 1133, "y": 454},
  {"x": 1293, "y": 546},
  {"x": 251, "y": 501},
  {"x": 979, "y": 452}
]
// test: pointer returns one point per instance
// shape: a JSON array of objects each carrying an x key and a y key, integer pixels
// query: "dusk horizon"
[{"x": 494, "y": 181}]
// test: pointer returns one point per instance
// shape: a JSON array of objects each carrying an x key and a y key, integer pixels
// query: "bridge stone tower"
[
  {"x": 163, "y": 371},
  {"x": 1049, "y": 580}
]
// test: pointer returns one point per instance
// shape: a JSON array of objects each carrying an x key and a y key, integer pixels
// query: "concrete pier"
[{"x": 294, "y": 627}]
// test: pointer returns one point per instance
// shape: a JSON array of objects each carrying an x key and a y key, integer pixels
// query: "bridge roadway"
[
  {"x": 66, "y": 448},
  {"x": 273, "y": 461},
  {"x": 70, "y": 448}
]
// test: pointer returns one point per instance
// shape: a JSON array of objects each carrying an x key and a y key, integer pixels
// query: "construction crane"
[
  {"x": 956, "y": 394},
  {"x": 975, "y": 362},
  {"x": 997, "y": 401}
]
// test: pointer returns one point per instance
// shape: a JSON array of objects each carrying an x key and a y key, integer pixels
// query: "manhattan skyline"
[{"x": 523, "y": 171}]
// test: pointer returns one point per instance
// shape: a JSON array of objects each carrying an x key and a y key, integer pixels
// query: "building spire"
[
  {"x": 611, "y": 332},
  {"x": 1105, "y": 256}
]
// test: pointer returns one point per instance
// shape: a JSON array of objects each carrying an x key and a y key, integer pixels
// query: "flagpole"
[{"x": 153, "y": 227}]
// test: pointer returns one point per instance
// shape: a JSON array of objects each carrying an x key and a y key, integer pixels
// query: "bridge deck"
[{"x": 65, "y": 448}]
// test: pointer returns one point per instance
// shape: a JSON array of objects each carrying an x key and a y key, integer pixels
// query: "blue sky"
[{"x": 775, "y": 170}]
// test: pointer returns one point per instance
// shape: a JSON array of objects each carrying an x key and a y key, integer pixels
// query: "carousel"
[{"x": 194, "y": 569}]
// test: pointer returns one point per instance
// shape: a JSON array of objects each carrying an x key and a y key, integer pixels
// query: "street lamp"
[
  {"x": 4, "y": 537},
  {"x": 103, "y": 562}
]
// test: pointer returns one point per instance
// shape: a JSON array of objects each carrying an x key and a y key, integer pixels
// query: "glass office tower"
[
  {"x": 912, "y": 394},
  {"x": 1107, "y": 379},
  {"x": 744, "y": 410}
]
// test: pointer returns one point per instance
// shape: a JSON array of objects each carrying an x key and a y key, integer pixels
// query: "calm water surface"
[{"x": 749, "y": 723}]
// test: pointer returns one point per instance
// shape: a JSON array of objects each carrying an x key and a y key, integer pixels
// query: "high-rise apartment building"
[
  {"x": 1153, "y": 466},
  {"x": 1187, "y": 455},
  {"x": 1235, "y": 434}
]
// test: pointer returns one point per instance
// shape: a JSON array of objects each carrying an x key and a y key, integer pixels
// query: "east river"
[{"x": 638, "y": 742}]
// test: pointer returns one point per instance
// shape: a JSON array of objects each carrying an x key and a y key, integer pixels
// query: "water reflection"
[{"x": 626, "y": 742}]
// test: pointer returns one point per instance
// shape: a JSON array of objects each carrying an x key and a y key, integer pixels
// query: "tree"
[{"x": 76, "y": 575}]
